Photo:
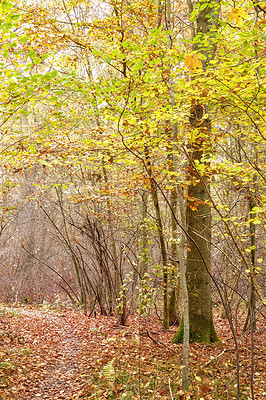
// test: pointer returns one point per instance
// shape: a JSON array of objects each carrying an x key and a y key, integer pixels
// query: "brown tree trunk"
[
  {"x": 159, "y": 223},
  {"x": 198, "y": 271},
  {"x": 154, "y": 195},
  {"x": 199, "y": 241},
  {"x": 251, "y": 317},
  {"x": 198, "y": 268},
  {"x": 174, "y": 284}
]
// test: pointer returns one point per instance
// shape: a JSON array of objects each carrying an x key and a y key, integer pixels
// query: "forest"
[{"x": 132, "y": 199}]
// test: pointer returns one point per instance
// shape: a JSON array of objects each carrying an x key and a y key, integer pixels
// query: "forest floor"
[{"x": 61, "y": 354}]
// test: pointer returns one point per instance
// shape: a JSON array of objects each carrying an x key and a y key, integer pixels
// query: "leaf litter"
[{"x": 55, "y": 354}]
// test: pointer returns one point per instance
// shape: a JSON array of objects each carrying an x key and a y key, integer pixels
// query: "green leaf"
[
  {"x": 37, "y": 60},
  {"x": 53, "y": 74},
  {"x": 32, "y": 54},
  {"x": 203, "y": 6}
]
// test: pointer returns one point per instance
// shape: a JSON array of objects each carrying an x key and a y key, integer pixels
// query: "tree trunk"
[
  {"x": 173, "y": 280},
  {"x": 251, "y": 317},
  {"x": 198, "y": 256},
  {"x": 198, "y": 207},
  {"x": 154, "y": 195},
  {"x": 159, "y": 223},
  {"x": 144, "y": 235},
  {"x": 197, "y": 274}
]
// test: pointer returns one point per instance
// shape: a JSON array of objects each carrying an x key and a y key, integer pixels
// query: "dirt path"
[
  {"x": 60, "y": 355},
  {"x": 54, "y": 354},
  {"x": 63, "y": 370}
]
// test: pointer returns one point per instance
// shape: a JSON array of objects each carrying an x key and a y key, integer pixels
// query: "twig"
[
  {"x": 159, "y": 343},
  {"x": 154, "y": 341},
  {"x": 214, "y": 358},
  {"x": 170, "y": 390},
  {"x": 155, "y": 385}
]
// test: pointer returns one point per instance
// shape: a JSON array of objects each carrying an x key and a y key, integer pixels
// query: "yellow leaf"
[
  {"x": 238, "y": 15},
  {"x": 4, "y": 96},
  {"x": 243, "y": 14},
  {"x": 192, "y": 61}
]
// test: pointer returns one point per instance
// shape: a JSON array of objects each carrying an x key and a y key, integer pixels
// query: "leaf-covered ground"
[{"x": 62, "y": 354}]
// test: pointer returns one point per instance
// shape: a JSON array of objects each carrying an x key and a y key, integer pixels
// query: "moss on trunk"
[{"x": 200, "y": 331}]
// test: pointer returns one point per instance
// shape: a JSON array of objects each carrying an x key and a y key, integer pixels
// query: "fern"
[{"x": 109, "y": 372}]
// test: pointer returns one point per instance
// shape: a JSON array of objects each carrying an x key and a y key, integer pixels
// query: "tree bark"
[
  {"x": 154, "y": 195},
  {"x": 199, "y": 252},
  {"x": 174, "y": 288},
  {"x": 251, "y": 317},
  {"x": 198, "y": 268},
  {"x": 159, "y": 223}
]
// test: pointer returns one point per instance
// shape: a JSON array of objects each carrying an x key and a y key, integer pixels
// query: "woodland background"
[{"x": 111, "y": 113}]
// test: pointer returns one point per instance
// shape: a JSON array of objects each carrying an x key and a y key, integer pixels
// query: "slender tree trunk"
[
  {"x": 159, "y": 222},
  {"x": 173, "y": 282},
  {"x": 144, "y": 236},
  {"x": 185, "y": 319},
  {"x": 112, "y": 238},
  {"x": 251, "y": 317},
  {"x": 182, "y": 242},
  {"x": 174, "y": 285},
  {"x": 252, "y": 228},
  {"x": 163, "y": 253}
]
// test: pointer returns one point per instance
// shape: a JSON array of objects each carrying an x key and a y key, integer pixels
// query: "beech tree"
[{"x": 198, "y": 269}]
